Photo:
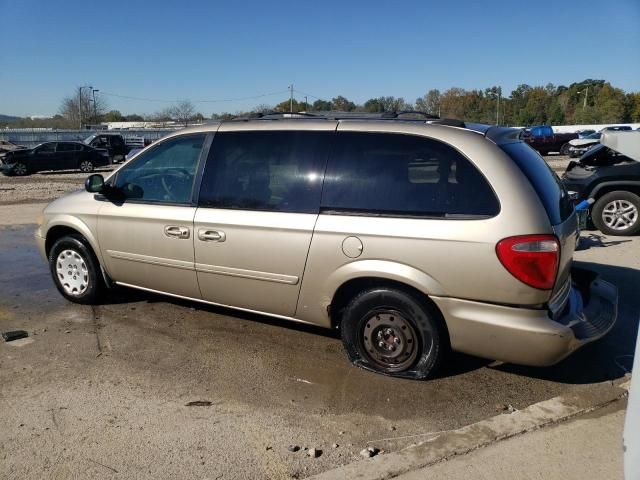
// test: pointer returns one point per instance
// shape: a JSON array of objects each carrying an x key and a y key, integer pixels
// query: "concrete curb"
[{"x": 477, "y": 435}]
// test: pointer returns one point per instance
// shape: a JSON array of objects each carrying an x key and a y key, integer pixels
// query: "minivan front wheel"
[
  {"x": 617, "y": 213},
  {"x": 75, "y": 270},
  {"x": 392, "y": 332}
]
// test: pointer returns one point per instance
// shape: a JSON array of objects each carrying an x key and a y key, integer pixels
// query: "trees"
[
  {"x": 183, "y": 112},
  {"x": 341, "y": 104},
  {"x": 321, "y": 106},
  {"x": 113, "y": 116},
  {"x": 80, "y": 107},
  {"x": 429, "y": 102}
]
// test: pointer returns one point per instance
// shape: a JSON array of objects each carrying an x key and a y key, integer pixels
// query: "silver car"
[{"x": 411, "y": 237}]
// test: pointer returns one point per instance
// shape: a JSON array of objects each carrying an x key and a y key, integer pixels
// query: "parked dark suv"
[
  {"x": 53, "y": 156},
  {"x": 113, "y": 143},
  {"x": 609, "y": 173}
]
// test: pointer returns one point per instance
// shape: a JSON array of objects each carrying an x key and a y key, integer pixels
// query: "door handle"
[
  {"x": 211, "y": 235},
  {"x": 176, "y": 231}
]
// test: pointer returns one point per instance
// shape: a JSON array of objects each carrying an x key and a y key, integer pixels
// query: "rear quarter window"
[
  {"x": 404, "y": 175},
  {"x": 545, "y": 182}
]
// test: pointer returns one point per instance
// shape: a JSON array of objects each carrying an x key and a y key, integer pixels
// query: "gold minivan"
[{"x": 411, "y": 237}]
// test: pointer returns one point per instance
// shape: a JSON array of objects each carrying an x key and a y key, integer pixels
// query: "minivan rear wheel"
[
  {"x": 617, "y": 213},
  {"x": 392, "y": 332}
]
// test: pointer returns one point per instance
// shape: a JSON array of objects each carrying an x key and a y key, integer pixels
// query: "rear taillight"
[{"x": 532, "y": 259}]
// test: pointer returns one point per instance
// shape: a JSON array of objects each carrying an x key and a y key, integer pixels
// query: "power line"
[{"x": 219, "y": 100}]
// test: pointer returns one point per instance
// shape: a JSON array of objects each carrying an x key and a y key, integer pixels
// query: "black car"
[
  {"x": 53, "y": 156},
  {"x": 609, "y": 173}
]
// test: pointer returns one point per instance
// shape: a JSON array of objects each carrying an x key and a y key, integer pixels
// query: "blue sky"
[{"x": 208, "y": 50}]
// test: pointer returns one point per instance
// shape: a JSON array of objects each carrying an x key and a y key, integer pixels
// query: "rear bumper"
[{"x": 530, "y": 337}]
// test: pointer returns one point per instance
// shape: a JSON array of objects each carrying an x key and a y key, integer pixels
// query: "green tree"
[
  {"x": 341, "y": 104},
  {"x": 113, "y": 116},
  {"x": 321, "y": 106}
]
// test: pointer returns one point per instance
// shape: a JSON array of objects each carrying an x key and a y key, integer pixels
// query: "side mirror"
[{"x": 94, "y": 183}]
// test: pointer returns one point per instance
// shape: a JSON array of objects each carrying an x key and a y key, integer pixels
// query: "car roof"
[{"x": 361, "y": 122}]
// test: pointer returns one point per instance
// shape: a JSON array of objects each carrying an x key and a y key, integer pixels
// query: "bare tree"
[
  {"x": 80, "y": 108},
  {"x": 184, "y": 111}
]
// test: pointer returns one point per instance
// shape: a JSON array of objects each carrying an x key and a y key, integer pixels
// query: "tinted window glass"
[
  {"x": 47, "y": 148},
  {"x": 545, "y": 182},
  {"x": 405, "y": 175},
  {"x": 66, "y": 147},
  {"x": 164, "y": 173},
  {"x": 276, "y": 170}
]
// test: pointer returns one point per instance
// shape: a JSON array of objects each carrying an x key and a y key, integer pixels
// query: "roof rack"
[
  {"x": 403, "y": 115},
  {"x": 394, "y": 114}
]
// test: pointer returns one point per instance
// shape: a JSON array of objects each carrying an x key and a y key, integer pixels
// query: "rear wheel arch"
[{"x": 355, "y": 286}]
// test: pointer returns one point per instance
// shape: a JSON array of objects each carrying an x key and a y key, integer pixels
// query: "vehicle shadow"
[
  {"x": 609, "y": 358},
  {"x": 606, "y": 359},
  {"x": 594, "y": 240}
]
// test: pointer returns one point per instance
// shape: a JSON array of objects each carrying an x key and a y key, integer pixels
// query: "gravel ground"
[
  {"x": 44, "y": 187},
  {"x": 41, "y": 187}
]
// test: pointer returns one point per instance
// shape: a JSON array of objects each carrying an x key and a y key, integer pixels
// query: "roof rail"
[
  {"x": 395, "y": 114},
  {"x": 272, "y": 115}
]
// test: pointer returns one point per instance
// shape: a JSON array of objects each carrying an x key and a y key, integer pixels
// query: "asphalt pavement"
[{"x": 100, "y": 390}]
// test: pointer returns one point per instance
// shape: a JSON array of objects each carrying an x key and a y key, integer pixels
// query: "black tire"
[
  {"x": 86, "y": 166},
  {"x": 93, "y": 276},
  {"x": 416, "y": 331},
  {"x": 564, "y": 149},
  {"x": 20, "y": 169},
  {"x": 602, "y": 212}
]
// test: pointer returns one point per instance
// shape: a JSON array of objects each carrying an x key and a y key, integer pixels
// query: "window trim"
[
  {"x": 362, "y": 212},
  {"x": 197, "y": 178}
]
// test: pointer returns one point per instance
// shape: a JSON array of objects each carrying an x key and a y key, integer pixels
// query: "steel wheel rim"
[
  {"x": 389, "y": 341},
  {"x": 620, "y": 215},
  {"x": 86, "y": 166},
  {"x": 72, "y": 272},
  {"x": 20, "y": 169}
]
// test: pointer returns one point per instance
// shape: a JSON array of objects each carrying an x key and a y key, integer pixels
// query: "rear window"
[{"x": 545, "y": 182}]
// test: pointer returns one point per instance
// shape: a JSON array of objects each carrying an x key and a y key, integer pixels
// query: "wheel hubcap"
[
  {"x": 72, "y": 272},
  {"x": 620, "y": 215},
  {"x": 390, "y": 341},
  {"x": 85, "y": 166},
  {"x": 20, "y": 169}
]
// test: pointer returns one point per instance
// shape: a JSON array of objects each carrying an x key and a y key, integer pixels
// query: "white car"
[{"x": 580, "y": 145}]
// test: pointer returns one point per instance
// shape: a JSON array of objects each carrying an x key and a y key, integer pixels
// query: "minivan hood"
[{"x": 580, "y": 142}]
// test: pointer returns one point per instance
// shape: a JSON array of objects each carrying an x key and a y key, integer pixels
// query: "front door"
[
  {"x": 147, "y": 239},
  {"x": 44, "y": 157},
  {"x": 258, "y": 205}
]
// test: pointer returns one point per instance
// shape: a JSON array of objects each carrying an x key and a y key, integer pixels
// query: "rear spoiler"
[
  {"x": 498, "y": 135},
  {"x": 625, "y": 142}
]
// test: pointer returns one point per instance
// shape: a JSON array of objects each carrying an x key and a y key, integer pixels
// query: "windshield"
[
  {"x": 594, "y": 135},
  {"x": 87, "y": 141}
]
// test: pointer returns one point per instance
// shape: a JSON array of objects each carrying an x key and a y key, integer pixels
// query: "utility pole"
[
  {"x": 291, "y": 99},
  {"x": 305, "y": 104},
  {"x": 95, "y": 108},
  {"x": 498, "y": 109},
  {"x": 80, "y": 102},
  {"x": 80, "y": 106},
  {"x": 586, "y": 94}
]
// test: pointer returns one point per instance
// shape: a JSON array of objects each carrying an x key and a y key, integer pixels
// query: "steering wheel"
[{"x": 171, "y": 178}]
